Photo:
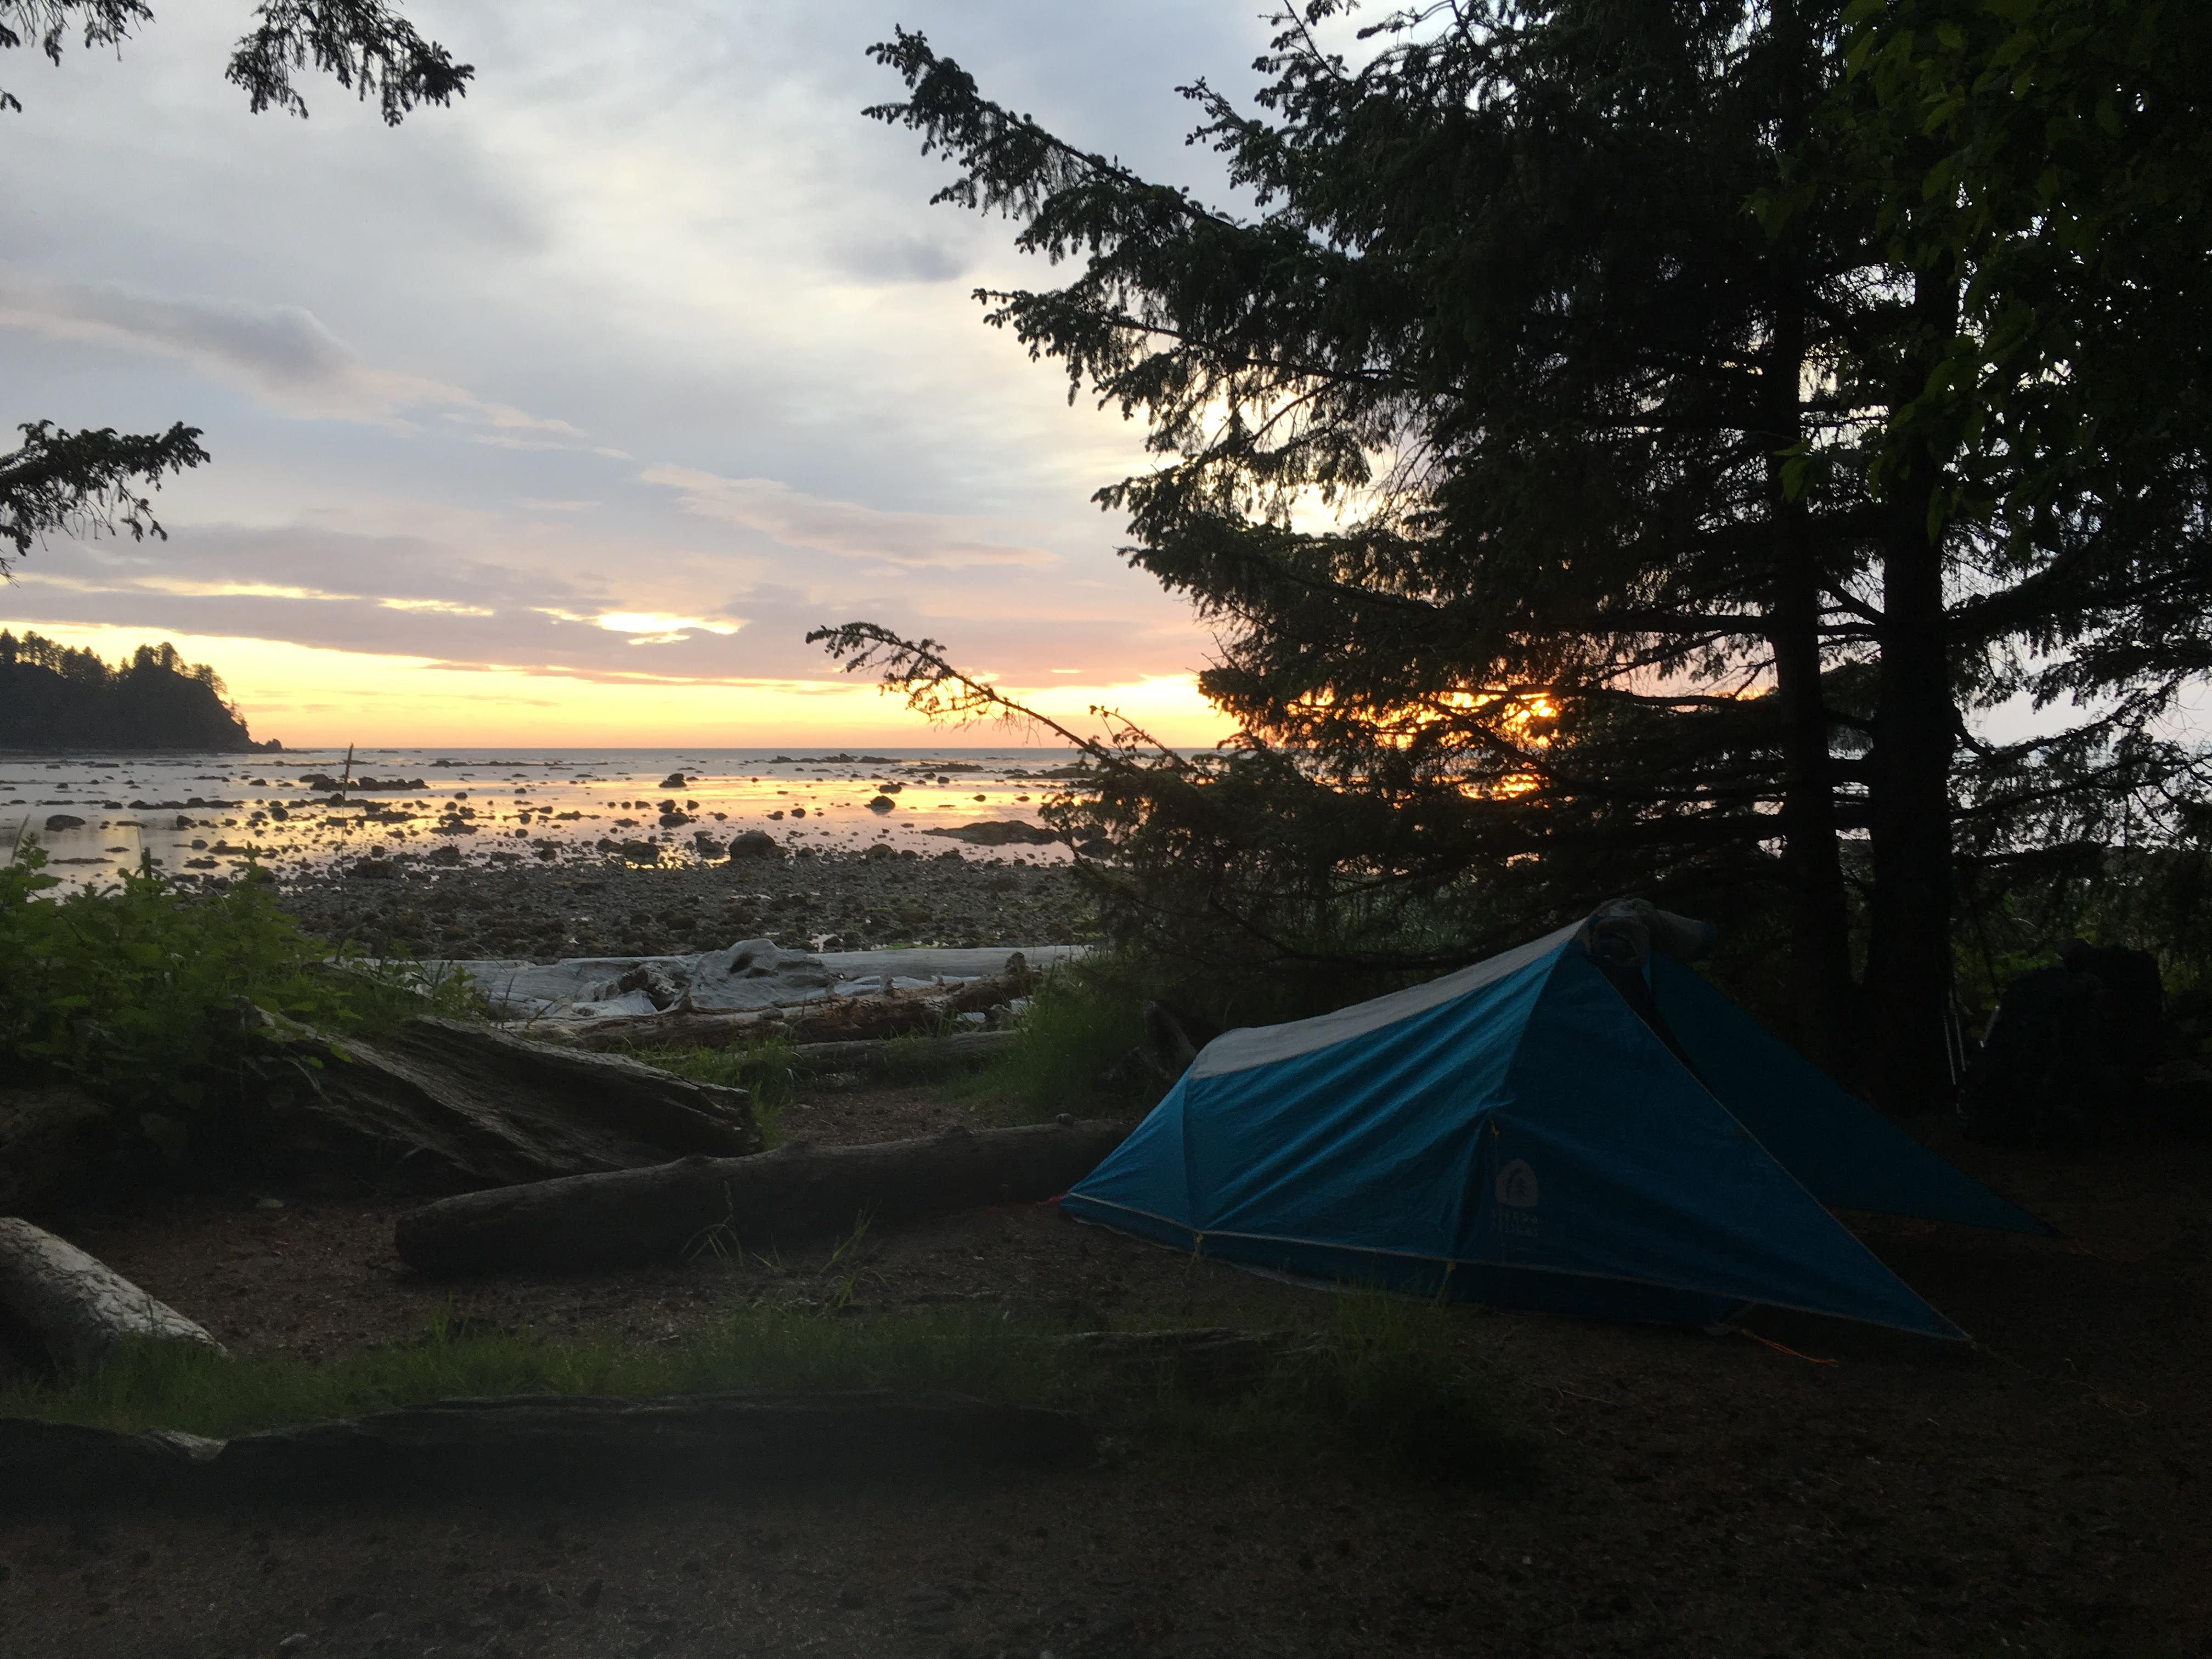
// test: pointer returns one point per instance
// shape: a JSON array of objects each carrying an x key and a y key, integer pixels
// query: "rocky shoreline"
[{"x": 808, "y": 901}]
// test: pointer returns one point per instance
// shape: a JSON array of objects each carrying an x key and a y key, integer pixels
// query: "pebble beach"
[{"x": 499, "y": 853}]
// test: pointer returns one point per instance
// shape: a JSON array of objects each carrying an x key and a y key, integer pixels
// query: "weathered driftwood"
[
  {"x": 61, "y": 1465},
  {"x": 478, "y": 1447},
  {"x": 49, "y": 1136},
  {"x": 78, "y": 1308},
  {"x": 474, "y": 1445},
  {"x": 793, "y": 1193},
  {"x": 902, "y": 1054},
  {"x": 439, "y": 1105},
  {"x": 835, "y": 1019}
]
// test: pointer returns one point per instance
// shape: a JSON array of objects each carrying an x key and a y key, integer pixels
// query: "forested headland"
[{"x": 56, "y": 696}]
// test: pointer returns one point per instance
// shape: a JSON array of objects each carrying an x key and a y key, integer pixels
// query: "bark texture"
[
  {"x": 542, "y": 1445},
  {"x": 835, "y": 1019},
  {"x": 79, "y": 1309},
  {"x": 473, "y": 1446},
  {"x": 439, "y": 1105},
  {"x": 796, "y": 1191}
]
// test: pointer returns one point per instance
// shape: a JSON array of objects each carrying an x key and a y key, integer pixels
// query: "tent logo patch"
[{"x": 1517, "y": 1185}]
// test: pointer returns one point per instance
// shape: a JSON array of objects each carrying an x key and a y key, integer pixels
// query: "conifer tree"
[{"x": 1547, "y": 448}]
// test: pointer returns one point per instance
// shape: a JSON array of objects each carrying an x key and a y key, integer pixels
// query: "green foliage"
[
  {"x": 75, "y": 483},
  {"x": 134, "y": 990},
  {"x": 1077, "y": 1049},
  {"x": 1386, "y": 1381},
  {"x": 1622, "y": 452},
  {"x": 766, "y": 1070}
]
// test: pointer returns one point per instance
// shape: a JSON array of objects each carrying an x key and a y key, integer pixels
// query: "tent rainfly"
[{"x": 1582, "y": 1125}]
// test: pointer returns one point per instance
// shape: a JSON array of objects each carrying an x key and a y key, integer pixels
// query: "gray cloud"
[
  {"x": 844, "y": 528},
  {"x": 282, "y": 355}
]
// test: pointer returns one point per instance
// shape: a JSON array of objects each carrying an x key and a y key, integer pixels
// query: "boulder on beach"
[
  {"x": 754, "y": 844},
  {"x": 881, "y": 804},
  {"x": 997, "y": 832},
  {"x": 64, "y": 821},
  {"x": 673, "y": 780}
]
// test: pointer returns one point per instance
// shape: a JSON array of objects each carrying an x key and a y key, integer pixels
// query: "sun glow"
[{"x": 309, "y": 696}]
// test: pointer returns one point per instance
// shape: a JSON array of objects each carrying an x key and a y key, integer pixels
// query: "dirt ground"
[{"x": 2046, "y": 1492}]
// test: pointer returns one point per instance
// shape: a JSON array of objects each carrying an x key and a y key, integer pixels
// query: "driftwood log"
[
  {"x": 796, "y": 1191},
  {"x": 439, "y": 1105},
  {"x": 900, "y": 1054},
  {"x": 49, "y": 1137},
  {"x": 79, "y": 1309},
  {"x": 832, "y": 1019},
  {"x": 543, "y": 1444}
]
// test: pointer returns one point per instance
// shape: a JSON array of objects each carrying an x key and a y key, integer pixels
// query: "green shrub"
[
  {"x": 766, "y": 1070},
  {"x": 133, "y": 990},
  {"x": 1079, "y": 1049}
]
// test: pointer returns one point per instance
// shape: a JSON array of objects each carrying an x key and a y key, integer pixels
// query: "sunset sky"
[{"x": 561, "y": 415}]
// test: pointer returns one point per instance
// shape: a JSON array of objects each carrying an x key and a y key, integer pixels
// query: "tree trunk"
[
  {"x": 1916, "y": 728},
  {"x": 80, "y": 1309},
  {"x": 439, "y": 1105},
  {"x": 1823, "y": 997},
  {"x": 1822, "y": 993},
  {"x": 797, "y": 1192}
]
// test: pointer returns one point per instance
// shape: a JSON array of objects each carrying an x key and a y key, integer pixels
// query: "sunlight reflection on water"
[{"x": 197, "y": 813}]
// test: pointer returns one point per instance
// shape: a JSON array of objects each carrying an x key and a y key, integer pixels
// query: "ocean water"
[{"x": 196, "y": 815}]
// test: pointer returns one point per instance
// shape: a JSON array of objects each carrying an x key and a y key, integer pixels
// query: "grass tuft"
[
  {"x": 1079, "y": 1049},
  {"x": 767, "y": 1070},
  {"x": 1385, "y": 1384}
]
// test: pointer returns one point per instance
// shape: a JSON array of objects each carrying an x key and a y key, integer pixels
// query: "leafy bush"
[{"x": 133, "y": 990}]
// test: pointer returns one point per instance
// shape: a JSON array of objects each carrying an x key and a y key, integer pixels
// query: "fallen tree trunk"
[
  {"x": 902, "y": 1054},
  {"x": 439, "y": 1105},
  {"x": 832, "y": 1019},
  {"x": 542, "y": 1445},
  {"x": 795, "y": 1192},
  {"x": 79, "y": 1309},
  {"x": 534, "y": 1443}
]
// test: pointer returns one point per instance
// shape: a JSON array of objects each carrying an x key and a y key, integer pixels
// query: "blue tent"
[{"x": 1583, "y": 1124}]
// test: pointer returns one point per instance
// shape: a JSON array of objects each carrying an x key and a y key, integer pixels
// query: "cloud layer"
[{"x": 637, "y": 364}]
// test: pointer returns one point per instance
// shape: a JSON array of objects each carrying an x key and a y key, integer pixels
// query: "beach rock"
[
  {"x": 881, "y": 804},
  {"x": 374, "y": 869},
  {"x": 64, "y": 821},
  {"x": 997, "y": 832},
  {"x": 879, "y": 853},
  {"x": 754, "y": 844},
  {"x": 673, "y": 780}
]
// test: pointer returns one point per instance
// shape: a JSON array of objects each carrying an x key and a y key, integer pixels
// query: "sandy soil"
[{"x": 2045, "y": 1493}]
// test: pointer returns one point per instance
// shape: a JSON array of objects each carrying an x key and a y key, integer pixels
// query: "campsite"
[
  {"x": 1106, "y": 829},
  {"x": 1593, "y": 1481}
]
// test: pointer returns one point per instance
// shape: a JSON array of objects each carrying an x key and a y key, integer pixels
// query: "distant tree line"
[
  {"x": 1626, "y": 447},
  {"x": 57, "y": 696}
]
